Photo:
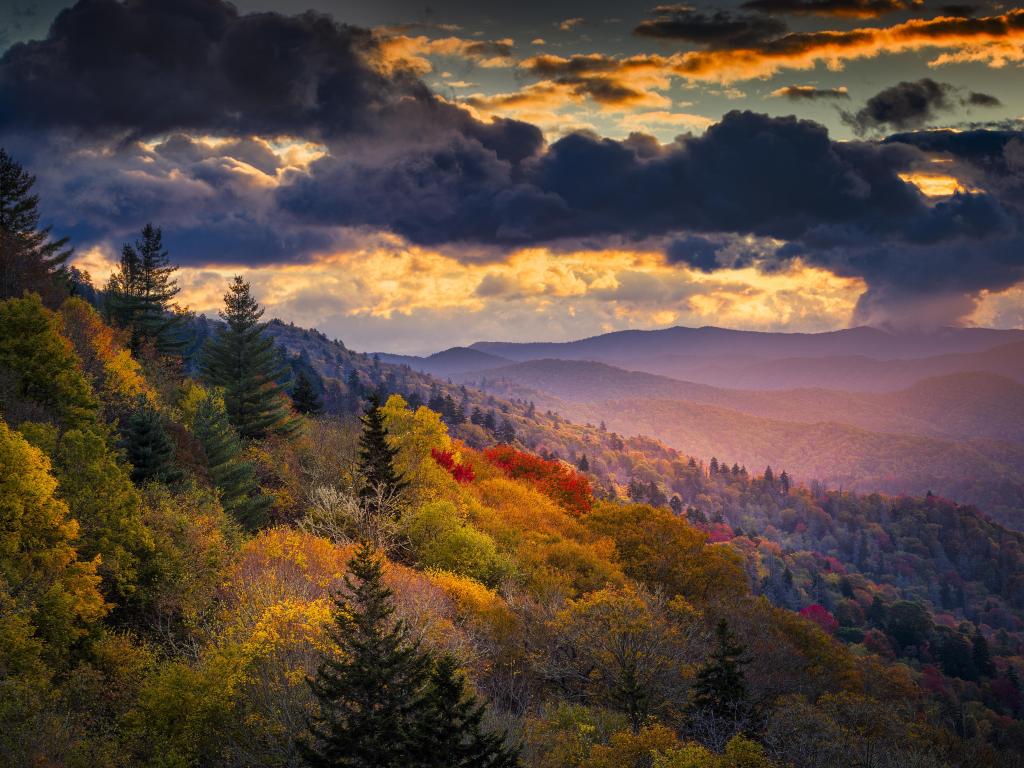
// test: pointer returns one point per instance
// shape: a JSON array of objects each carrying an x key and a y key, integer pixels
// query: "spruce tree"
[
  {"x": 451, "y": 726},
  {"x": 371, "y": 695},
  {"x": 141, "y": 292},
  {"x": 304, "y": 396},
  {"x": 721, "y": 687},
  {"x": 981, "y": 655},
  {"x": 377, "y": 457},
  {"x": 243, "y": 361},
  {"x": 29, "y": 259},
  {"x": 149, "y": 448},
  {"x": 234, "y": 478}
]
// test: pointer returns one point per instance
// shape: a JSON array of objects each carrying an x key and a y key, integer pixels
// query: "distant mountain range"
[
  {"x": 959, "y": 405},
  {"x": 859, "y": 359}
]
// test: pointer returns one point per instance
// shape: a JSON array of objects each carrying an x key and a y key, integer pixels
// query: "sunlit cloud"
[{"x": 386, "y": 283}]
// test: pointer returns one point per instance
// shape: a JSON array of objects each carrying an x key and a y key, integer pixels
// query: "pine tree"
[
  {"x": 451, "y": 733},
  {"x": 372, "y": 694},
  {"x": 243, "y": 361},
  {"x": 981, "y": 655},
  {"x": 149, "y": 448},
  {"x": 377, "y": 457},
  {"x": 721, "y": 687},
  {"x": 304, "y": 396},
  {"x": 235, "y": 478},
  {"x": 141, "y": 292},
  {"x": 29, "y": 259}
]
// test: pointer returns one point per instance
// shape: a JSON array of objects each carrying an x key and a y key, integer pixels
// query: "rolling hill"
[
  {"x": 863, "y": 359},
  {"x": 960, "y": 405}
]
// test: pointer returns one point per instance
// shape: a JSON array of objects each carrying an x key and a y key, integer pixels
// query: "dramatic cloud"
[
  {"x": 852, "y": 9},
  {"x": 176, "y": 112},
  {"x": 809, "y": 93},
  {"x": 912, "y": 105},
  {"x": 147, "y": 67},
  {"x": 721, "y": 29}
]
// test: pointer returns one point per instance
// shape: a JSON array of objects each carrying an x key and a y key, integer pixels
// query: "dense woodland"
[{"x": 239, "y": 543}]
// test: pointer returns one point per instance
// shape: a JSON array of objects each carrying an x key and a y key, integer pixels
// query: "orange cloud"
[
  {"x": 397, "y": 51},
  {"x": 993, "y": 40}
]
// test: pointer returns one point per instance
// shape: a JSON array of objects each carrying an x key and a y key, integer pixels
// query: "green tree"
[
  {"x": 981, "y": 655},
  {"x": 234, "y": 477},
  {"x": 149, "y": 448},
  {"x": 451, "y": 730},
  {"x": 381, "y": 481},
  {"x": 40, "y": 369},
  {"x": 141, "y": 292},
  {"x": 720, "y": 702},
  {"x": 42, "y": 579},
  {"x": 243, "y": 361},
  {"x": 304, "y": 396},
  {"x": 371, "y": 694},
  {"x": 29, "y": 259}
]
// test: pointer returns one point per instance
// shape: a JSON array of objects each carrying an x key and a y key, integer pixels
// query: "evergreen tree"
[
  {"x": 149, "y": 448},
  {"x": 304, "y": 396},
  {"x": 235, "y": 478},
  {"x": 141, "y": 292},
  {"x": 243, "y": 361},
  {"x": 981, "y": 655},
  {"x": 451, "y": 732},
  {"x": 784, "y": 482},
  {"x": 377, "y": 457},
  {"x": 29, "y": 259},
  {"x": 506, "y": 432},
  {"x": 721, "y": 687},
  {"x": 583, "y": 465},
  {"x": 372, "y": 694}
]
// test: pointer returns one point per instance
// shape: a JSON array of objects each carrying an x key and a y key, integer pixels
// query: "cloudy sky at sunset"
[{"x": 409, "y": 178}]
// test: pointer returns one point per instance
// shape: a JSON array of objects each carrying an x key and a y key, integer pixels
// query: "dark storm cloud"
[
  {"x": 149, "y": 66},
  {"x": 964, "y": 11},
  {"x": 857, "y": 9},
  {"x": 400, "y": 160},
  {"x": 693, "y": 251},
  {"x": 721, "y": 29},
  {"x": 810, "y": 93},
  {"x": 912, "y": 105},
  {"x": 776, "y": 177}
]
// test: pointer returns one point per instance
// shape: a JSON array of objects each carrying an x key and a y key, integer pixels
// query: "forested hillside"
[{"x": 242, "y": 544}]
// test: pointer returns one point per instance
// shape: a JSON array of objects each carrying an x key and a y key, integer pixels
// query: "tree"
[
  {"x": 42, "y": 578},
  {"x": 377, "y": 457},
  {"x": 720, "y": 697},
  {"x": 451, "y": 731},
  {"x": 304, "y": 396},
  {"x": 141, "y": 292},
  {"x": 148, "y": 447},
  {"x": 981, "y": 656},
  {"x": 371, "y": 695},
  {"x": 243, "y": 361},
  {"x": 29, "y": 259},
  {"x": 235, "y": 478}
]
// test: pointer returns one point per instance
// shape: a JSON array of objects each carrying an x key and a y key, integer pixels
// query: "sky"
[{"x": 410, "y": 178}]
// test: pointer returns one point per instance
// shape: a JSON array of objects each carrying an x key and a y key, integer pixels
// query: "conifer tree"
[
  {"x": 371, "y": 695},
  {"x": 981, "y": 655},
  {"x": 235, "y": 478},
  {"x": 149, "y": 448},
  {"x": 141, "y": 292},
  {"x": 304, "y": 396},
  {"x": 721, "y": 687},
  {"x": 377, "y": 457},
  {"x": 29, "y": 259},
  {"x": 243, "y": 361},
  {"x": 451, "y": 727}
]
